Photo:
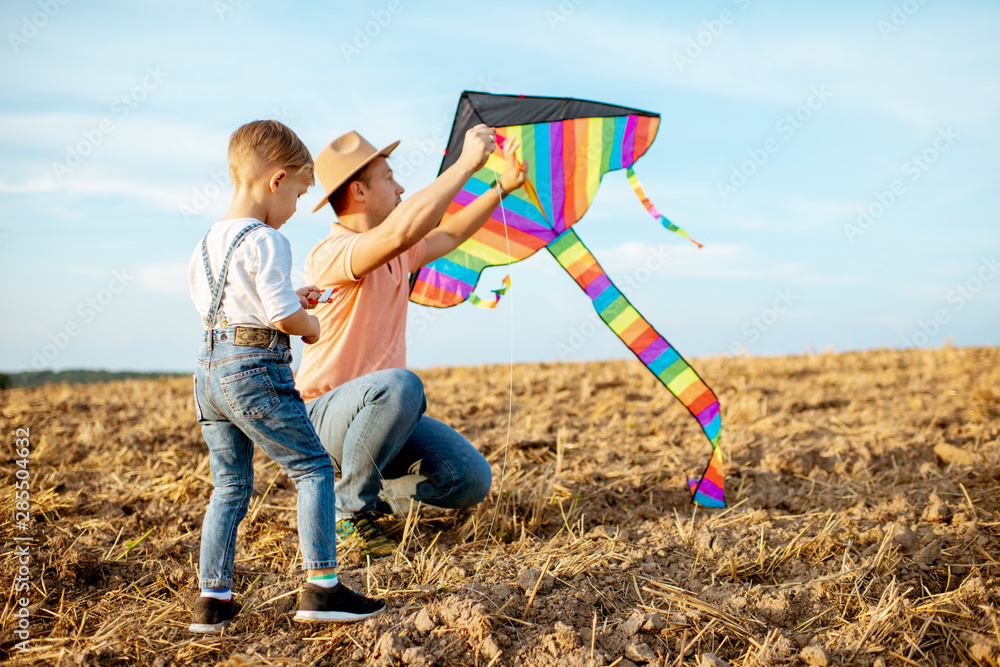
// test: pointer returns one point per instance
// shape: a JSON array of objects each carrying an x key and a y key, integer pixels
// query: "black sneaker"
[
  {"x": 364, "y": 530},
  {"x": 339, "y": 604},
  {"x": 212, "y": 615}
]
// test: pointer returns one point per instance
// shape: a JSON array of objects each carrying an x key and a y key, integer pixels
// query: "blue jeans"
[
  {"x": 375, "y": 429},
  {"x": 246, "y": 395}
]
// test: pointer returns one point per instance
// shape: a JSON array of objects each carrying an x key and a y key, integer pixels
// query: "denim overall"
[{"x": 244, "y": 394}]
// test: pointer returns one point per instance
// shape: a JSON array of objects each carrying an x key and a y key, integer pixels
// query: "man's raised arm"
[
  {"x": 452, "y": 232},
  {"x": 414, "y": 218}
]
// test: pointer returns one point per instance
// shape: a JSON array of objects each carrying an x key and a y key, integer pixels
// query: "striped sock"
[
  {"x": 325, "y": 580},
  {"x": 217, "y": 593}
]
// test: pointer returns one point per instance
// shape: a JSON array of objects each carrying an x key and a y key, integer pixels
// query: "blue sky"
[{"x": 782, "y": 122}]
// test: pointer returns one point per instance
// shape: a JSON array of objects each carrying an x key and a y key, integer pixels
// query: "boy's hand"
[
  {"x": 480, "y": 142},
  {"x": 307, "y": 293},
  {"x": 514, "y": 173}
]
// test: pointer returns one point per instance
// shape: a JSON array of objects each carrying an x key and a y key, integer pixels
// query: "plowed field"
[{"x": 863, "y": 525}]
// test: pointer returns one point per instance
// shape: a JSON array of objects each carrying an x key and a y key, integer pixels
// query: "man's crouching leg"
[
  {"x": 437, "y": 466},
  {"x": 363, "y": 424}
]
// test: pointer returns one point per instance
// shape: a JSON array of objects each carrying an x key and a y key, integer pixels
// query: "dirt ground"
[{"x": 863, "y": 525}]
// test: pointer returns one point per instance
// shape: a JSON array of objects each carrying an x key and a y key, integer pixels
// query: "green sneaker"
[{"x": 364, "y": 531}]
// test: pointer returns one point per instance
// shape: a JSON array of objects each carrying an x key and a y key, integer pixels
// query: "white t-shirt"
[{"x": 258, "y": 286}]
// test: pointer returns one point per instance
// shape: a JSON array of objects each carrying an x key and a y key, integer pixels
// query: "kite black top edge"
[{"x": 505, "y": 110}]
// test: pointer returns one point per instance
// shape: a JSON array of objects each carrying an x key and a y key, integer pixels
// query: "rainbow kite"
[{"x": 570, "y": 144}]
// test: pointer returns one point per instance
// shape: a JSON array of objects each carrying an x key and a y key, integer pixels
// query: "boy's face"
[{"x": 286, "y": 189}]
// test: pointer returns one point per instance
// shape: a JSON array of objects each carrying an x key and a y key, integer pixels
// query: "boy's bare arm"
[
  {"x": 300, "y": 323},
  {"x": 418, "y": 215}
]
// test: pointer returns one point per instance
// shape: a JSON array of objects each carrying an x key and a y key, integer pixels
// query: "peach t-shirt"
[{"x": 364, "y": 327}]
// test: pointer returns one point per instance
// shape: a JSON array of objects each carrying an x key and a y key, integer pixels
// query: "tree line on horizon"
[{"x": 75, "y": 376}]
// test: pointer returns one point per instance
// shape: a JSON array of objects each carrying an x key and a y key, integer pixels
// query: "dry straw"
[{"x": 863, "y": 527}]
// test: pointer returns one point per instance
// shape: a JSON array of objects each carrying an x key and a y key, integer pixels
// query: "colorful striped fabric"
[
  {"x": 567, "y": 160},
  {"x": 569, "y": 145},
  {"x": 708, "y": 490},
  {"x": 633, "y": 180},
  {"x": 651, "y": 348},
  {"x": 497, "y": 293}
]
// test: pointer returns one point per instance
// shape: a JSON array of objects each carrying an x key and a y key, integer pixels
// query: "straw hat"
[{"x": 342, "y": 158}]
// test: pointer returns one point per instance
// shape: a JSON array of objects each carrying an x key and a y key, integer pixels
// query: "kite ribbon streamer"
[
  {"x": 633, "y": 180},
  {"x": 483, "y": 303},
  {"x": 653, "y": 351}
]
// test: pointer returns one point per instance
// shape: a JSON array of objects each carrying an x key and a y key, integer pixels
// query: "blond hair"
[{"x": 263, "y": 144}]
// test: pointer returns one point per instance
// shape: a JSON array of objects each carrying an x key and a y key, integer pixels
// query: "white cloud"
[
  {"x": 796, "y": 214},
  {"x": 819, "y": 214},
  {"x": 164, "y": 278},
  {"x": 31, "y": 186},
  {"x": 89, "y": 186},
  {"x": 717, "y": 261}
]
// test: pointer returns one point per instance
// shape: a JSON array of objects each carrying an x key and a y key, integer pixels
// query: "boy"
[{"x": 244, "y": 391}]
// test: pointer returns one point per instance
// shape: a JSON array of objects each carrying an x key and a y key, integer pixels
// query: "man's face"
[{"x": 383, "y": 192}]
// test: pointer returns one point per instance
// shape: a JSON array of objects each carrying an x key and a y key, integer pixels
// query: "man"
[{"x": 367, "y": 409}]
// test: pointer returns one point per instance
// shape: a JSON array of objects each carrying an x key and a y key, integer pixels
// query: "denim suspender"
[{"x": 217, "y": 286}]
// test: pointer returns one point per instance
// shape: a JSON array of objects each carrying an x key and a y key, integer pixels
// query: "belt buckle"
[{"x": 252, "y": 337}]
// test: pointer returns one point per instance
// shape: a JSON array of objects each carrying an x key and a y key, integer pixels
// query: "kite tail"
[
  {"x": 654, "y": 351},
  {"x": 497, "y": 293},
  {"x": 633, "y": 180},
  {"x": 708, "y": 491}
]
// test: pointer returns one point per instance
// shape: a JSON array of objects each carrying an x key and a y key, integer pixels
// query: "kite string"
[
  {"x": 510, "y": 395},
  {"x": 510, "y": 412},
  {"x": 510, "y": 403}
]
